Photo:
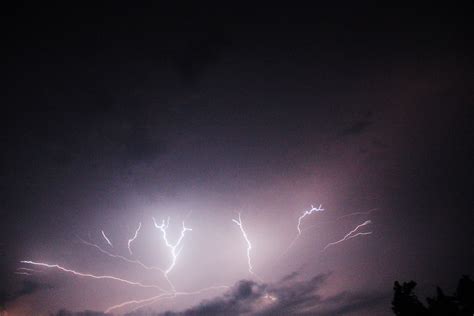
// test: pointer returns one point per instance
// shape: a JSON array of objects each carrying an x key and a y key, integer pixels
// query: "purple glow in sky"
[
  {"x": 163, "y": 160},
  {"x": 168, "y": 291}
]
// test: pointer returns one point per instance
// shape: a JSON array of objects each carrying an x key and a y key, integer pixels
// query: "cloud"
[
  {"x": 289, "y": 277},
  {"x": 239, "y": 300},
  {"x": 65, "y": 312},
  {"x": 28, "y": 287},
  {"x": 295, "y": 297},
  {"x": 347, "y": 302},
  {"x": 141, "y": 146},
  {"x": 289, "y": 296},
  {"x": 356, "y": 128},
  {"x": 200, "y": 52}
]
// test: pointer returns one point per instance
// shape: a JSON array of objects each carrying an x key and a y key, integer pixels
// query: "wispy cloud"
[
  {"x": 289, "y": 296},
  {"x": 27, "y": 287}
]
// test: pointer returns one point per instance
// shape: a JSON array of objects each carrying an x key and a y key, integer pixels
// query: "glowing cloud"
[
  {"x": 175, "y": 250},
  {"x": 156, "y": 298}
]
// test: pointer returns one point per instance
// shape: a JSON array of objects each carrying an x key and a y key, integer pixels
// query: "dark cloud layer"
[
  {"x": 289, "y": 296},
  {"x": 238, "y": 301},
  {"x": 356, "y": 128},
  {"x": 28, "y": 287},
  {"x": 65, "y": 312}
]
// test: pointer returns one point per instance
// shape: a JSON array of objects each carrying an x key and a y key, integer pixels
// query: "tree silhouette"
[
  {"x": 4, "y": 298},
  {"x": 405, "y": 302},
  {"x": 465, "y": 295}
]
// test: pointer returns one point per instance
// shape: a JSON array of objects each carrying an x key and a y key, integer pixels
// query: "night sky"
[{"x": 114, "y": 115}]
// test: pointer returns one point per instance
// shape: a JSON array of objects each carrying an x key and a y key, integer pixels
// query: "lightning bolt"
[
  {"x": 175, "y": 250},
  {"x": 137, "y": 262},
  {"x": 342, "y": 217},
  {"x": 298, "y": 226},
  {"x": 107, "y": 239},
  {"x": 349, "y": 234},
  {"x": 360, "y": 234},
  {"x": 22, "y": 273},
  {"x": 89, "y": 275},
  {"x": 306, "y": 213},
  {"x": 249, "y": 245},
  {"x": 172, "y": 247},
  {"x": 129, "y": 244},
  {"x": 146, "y": 300},
  {"x": 356, "y": 213},
  {"x": 28, "y": 269}
]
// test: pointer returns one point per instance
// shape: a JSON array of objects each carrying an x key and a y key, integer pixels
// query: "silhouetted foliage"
[
  {"x": 405, "y": 302},
  {"x": 64, "y": 312},
  {"x": 3, "y": 299},
  {"x": 465, "y": 295}
]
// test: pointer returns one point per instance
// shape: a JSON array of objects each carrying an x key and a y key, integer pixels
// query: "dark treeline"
[{"x": 461, "y": 303}]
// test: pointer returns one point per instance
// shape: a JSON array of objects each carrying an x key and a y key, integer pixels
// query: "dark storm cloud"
[
  {"x": 237, "y": 301},
  {"x": 293, "y": 297},
  {"x": 141, "y": 146},
  {"x": 356, "y": 128},
  {"x": 111, "y": 109},
  {"x": 65, "y": 312},
  {"x": 199, "y": 52},
  {"x": 28, "y": 287},
  {"x": 347, "y": 302},
  {"x": 289, "y": 277}
]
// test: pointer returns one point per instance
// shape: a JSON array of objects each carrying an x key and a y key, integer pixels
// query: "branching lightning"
[
  {"x": 137, "y": 262},
  {"x": 360, "y": 234},
  {"x": 129, "y": 244},
  {"x": 356, "y": 213},
  {"x": 249, "y": 245},
  {"x": 343, "y": 217},
  {"x": 349, "y": 234},
  {"x": 22, "y": 273},
  {"x": 298, "y": 226},
  {"x": 27, "y": 269},
  {"x": 89, "y": 275},
  {"x": 175, "y": 250},
  {"x": 306, "y": 213},
  {"x": 146, "y": 300},
  {"x": 107, "y": 239},
  {"x": 174, "y": 253}
]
